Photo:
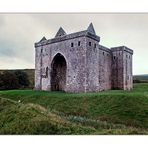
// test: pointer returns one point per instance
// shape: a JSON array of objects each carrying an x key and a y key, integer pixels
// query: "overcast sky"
[{"x": 19, "y": 32}]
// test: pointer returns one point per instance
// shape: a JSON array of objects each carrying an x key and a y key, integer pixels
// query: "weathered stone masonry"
[{"x": 78, "y": 63}]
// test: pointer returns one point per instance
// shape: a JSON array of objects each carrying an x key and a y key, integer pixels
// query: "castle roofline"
[
  {"x": 104, "y": 48},
  {"x": 67, "y": 37},
  {"x": 122, "y": 48}
]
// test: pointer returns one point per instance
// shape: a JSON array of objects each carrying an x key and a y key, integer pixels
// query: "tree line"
[{"x": 13, "y": 80}]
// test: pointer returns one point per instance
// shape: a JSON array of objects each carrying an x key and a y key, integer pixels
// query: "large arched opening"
[{"x": 58, "y": 73}]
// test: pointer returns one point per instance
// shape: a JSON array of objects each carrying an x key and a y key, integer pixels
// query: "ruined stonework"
[{"x": 78, "y": 63}]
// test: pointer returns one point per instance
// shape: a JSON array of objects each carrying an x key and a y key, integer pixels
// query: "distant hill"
[
  {"x": 30, "y": 73},
  {"x": 141, "y": 78}
]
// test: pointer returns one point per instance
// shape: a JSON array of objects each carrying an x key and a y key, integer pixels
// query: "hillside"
[
  {"x": 108, "y": 112},
  {"x": 18, "y": 118},
  {"x": 30, "y": 73},
  {"x": 141, "y": 78}
]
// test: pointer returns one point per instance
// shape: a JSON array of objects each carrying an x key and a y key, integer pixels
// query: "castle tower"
[
  {"x": 76, "y": 62},
  {"x": 68, "y": 62},
  {"x": 122, "y": 68}
]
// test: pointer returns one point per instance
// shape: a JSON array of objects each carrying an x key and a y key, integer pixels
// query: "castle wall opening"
[{"x": 58, "y": 73}]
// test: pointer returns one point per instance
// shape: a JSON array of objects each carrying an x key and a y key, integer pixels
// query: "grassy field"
[{"x": 108, "y": 112}]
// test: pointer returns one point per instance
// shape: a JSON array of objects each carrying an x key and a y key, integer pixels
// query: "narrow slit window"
[
  {"x": 46, "y": 71},
  {"x": 89, "y": 43},
  {"x": 78, "y": 43},
  {"x": 71, "y": 44},
  {"x": 95, "y": 45}
]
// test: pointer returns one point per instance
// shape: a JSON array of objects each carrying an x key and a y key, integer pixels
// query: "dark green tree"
[
  {"x": 22, "y": 78},
  {"x": 8, "y": 80}
]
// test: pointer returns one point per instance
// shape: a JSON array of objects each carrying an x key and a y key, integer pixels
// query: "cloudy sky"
[{"x": 19, "y": 32}]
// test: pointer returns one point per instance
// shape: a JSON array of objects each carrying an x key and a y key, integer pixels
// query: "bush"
[
  {"x": 8, "y": 80},
  {"x": 136, "y": 81},
  {"x": 13, "y": 80},
  {"x": 22, "y": 78},
  {"x": 140, "y": 81}
]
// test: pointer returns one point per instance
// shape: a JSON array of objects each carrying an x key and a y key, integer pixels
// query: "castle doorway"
[{"x": 58, "y": 73}]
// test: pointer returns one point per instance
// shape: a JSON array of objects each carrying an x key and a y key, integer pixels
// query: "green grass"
[
  {"x": 17, "y": 118},
  {"x": 108, "y": 112}
]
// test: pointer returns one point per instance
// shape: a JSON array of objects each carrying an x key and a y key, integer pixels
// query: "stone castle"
[{"x": 76, "y": 62}]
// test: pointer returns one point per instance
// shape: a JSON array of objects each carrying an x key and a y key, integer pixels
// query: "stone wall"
[
  {"x": 127, "y": 73},
  {"x": 38, "y": 68},
  {"x": 121, "y": 68},
  {"x": 105, "y": 61},
  {"x": 75, "y": 60},
  {"x": 92, "y": 69}
]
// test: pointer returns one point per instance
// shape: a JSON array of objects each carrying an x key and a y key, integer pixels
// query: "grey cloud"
[{"x": 18, "y": 32}]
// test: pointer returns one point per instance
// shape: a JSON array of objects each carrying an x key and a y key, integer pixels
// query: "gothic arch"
[{"x": 58, "y": 73}]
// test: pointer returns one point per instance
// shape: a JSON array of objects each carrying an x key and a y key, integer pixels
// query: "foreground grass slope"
[
  {"x": 16, "y": 118},
  {"x": 108, "y": 112}
]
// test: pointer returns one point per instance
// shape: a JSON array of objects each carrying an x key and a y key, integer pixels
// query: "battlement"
[
  {"x": 122, "y": 48},
  {"x": 62, "y": 36},
  {"x": 104, "y": 48}
]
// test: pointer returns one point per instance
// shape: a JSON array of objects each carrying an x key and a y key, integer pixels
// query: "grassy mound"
[
  {"x": 16, "y": 118},
  {"x": 108, "y": 112}
]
